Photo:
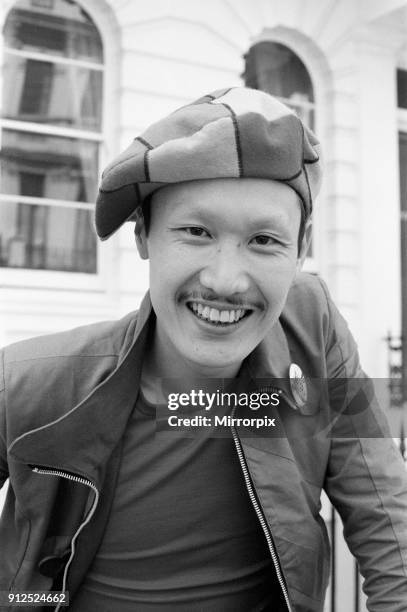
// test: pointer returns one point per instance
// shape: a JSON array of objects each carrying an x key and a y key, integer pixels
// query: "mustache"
[{"x": 209, "y": 296}]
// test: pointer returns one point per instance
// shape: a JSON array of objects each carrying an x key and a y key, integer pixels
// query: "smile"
[{"x": 218, "y": 317}]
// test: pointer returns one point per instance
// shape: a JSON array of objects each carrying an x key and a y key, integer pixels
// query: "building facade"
[{"x": 81, "y": 78}]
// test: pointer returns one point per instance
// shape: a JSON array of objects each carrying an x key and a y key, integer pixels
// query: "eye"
[
  {"x": 263, "y": 240},
  {"x": 200, "y": 232}
]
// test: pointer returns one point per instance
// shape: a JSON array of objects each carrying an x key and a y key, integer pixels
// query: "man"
[{"x": 125, "y": 516}]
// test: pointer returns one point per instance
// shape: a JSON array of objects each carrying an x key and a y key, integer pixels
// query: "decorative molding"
[
  {"x": 327, "y": 13},
  {"x": 188, "y": 22},
  {"x": 378, "y": 10},
  {"x": 178, "y": 60},
  {"x": 381, "y": 37},
  {"x": 238, "y": 16}
]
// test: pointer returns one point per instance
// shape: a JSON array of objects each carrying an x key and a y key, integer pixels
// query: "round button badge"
[{"x": 298, "y": 385}]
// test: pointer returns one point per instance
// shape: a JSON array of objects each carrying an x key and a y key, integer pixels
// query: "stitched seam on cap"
[
  {"x": 237, "y": 138},
  {"x": 291, "y": 178},
  {"x": 224, "y": 93},
  {"x": 131, "y": 182},
  {"x": 123, "y": 161},
  {"x": 144, "y": 142}
]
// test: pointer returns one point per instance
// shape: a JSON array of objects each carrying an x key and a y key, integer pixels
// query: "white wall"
[{"x": 162, "y": 54}]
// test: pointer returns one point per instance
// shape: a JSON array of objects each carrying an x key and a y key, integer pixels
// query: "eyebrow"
[{"x": 272, "y": 221}]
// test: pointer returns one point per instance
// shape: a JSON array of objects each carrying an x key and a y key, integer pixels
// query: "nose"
[{"x": 225, "y": 273}]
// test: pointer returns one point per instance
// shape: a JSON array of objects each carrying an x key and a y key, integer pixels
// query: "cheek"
[
  {"x": 275, "y": 283},
  {"x": 168, "y": 273}
]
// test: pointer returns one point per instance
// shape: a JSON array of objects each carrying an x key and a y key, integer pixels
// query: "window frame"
[
  {"x": 46, "y": 278},
  {"x": 302, "y": 104}
]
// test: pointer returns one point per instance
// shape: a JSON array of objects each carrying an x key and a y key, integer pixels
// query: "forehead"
[{"x": 249, "y": 199}]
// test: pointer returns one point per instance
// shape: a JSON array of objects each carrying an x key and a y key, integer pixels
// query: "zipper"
[
  {"x": 259, "y": 512},
  {"x": 84, "y": 481}
]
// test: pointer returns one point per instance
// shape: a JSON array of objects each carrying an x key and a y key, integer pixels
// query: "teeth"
[
  {"x": 217, "y": 316},
  {"x": 224, "y": 316},
  {"x": 214, "y": 315}
]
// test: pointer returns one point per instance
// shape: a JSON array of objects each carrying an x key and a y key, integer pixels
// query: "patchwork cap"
[{"x": 230, "y": 133}]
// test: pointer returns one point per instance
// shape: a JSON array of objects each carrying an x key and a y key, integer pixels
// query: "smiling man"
[
  {"x": 214, "y": 245},
  {"x": 102, "y": 504}
]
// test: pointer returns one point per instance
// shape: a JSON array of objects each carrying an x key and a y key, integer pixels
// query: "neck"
[{"x": 165, "y": 371}]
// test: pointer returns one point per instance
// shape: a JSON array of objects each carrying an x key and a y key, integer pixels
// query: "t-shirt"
[{"x": 182, "y": 534}]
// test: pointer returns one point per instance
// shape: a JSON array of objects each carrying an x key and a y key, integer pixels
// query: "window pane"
[
  {"x": 276, "y": 69},
  {"x": 66, "y": 168},
  {"x": 47, "y": 238},
  {"x": 57, "y": 27},
  {"x": 402, "y": 88},
  {"x": 50, "y": 93}
]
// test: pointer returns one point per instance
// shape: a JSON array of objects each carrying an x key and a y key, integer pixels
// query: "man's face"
[{"x": 223, "y": 254}]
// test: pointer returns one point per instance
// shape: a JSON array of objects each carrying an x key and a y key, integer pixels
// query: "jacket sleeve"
[
  {"x": 3, "y": 445},
  {"x": 366, "y": 479}
]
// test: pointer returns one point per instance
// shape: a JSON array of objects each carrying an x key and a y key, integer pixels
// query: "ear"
[
  {"x": 306, "y": 241},
  {"x": 140, "y": 234}
]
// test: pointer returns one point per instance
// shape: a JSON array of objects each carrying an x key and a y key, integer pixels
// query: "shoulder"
[
  {"x": 75, "y": 360},
  {"x": 42, "y": 378},
  {"x": 312, "y": 321},
  {"x": 308, "y": 305},
  {"x": 308, "y": 288},
  {"x": 98, "y": 339}
]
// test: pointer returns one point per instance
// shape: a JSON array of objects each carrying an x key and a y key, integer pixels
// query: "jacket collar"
[
  {"x": 81, "y": 441},
  {"x": 271, "y": 359}
]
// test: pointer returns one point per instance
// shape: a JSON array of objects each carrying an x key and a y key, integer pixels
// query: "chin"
[{"x": 210, "y": 360}]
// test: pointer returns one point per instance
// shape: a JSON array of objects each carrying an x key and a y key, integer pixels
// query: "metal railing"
[{"x": 339, "y": 586}]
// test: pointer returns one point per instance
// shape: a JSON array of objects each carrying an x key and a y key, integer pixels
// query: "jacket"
[{"x": 64, "y": 404}]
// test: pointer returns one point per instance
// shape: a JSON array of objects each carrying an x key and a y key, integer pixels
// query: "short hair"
[{"x": 146, "y": 211}]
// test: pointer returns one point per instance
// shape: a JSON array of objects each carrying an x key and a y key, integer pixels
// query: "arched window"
[
  {"x": 51, "y": 121},
  {"x": 274, "y": 68}
]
